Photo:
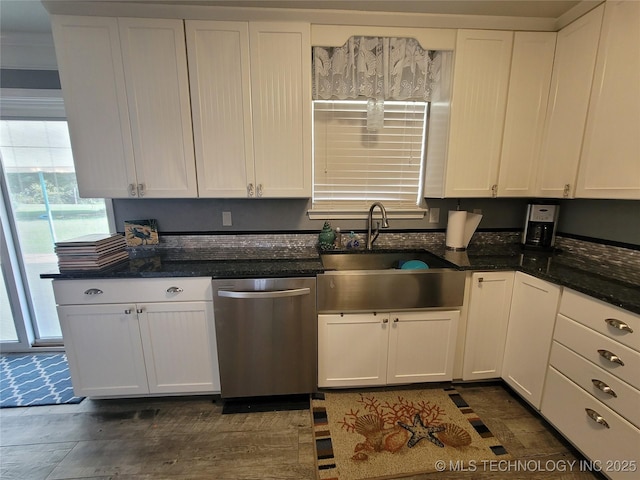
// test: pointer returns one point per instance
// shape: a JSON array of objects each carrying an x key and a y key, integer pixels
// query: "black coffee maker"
[{"x": 540, "y": 226}]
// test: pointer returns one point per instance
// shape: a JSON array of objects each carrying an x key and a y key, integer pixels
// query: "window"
[
  {"x": 355, "y": 166},
  {"x": 39, "y": 206}
]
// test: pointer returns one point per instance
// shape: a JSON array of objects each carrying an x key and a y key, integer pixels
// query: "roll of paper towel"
[{"x": 460, "y": 228}]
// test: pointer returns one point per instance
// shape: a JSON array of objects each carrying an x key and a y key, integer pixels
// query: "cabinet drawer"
[
  {"x": 592, "y": 345},
  {"x": 616, "y": 448},
  {"x": 586, "y": 374},
  {"x": 88, "y": 292},
  {"x": 602, "y": 317}
]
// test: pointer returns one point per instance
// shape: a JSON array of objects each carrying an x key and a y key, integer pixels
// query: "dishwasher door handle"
[{"x": 295, "y": 292}]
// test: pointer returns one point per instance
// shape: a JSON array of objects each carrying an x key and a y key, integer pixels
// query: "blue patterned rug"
[{"x": 35, "y": 379}]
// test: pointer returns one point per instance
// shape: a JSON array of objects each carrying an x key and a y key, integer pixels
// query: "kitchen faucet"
[{"x": 385, "y": 224}]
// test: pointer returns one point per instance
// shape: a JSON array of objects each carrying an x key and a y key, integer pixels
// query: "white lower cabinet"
[
  {"x": 592, "y": 390},
  {"x": 364, "y": 349},
  {"x": 533, "y": 312},
  {"x": 142, "y": 348},
  {"x": 611, "y": 443},
  {"x": 487, "y": 320}
]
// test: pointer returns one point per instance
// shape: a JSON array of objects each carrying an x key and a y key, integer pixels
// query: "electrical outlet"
[
  {"x": 226, "y": 219},
  {"x": 434, "y": 215}
]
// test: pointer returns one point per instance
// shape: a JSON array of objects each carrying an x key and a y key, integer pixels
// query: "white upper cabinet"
[
  {"x": 281, "y": 106},
  {"x": 155, "y": 67},
  {"x": 479, "y": 98},
  {"x": 95, "y": 100},
  {"x": 531, "y": 67},
  {"x": 610, "y": 161},
  {"x": 251, "y": 100},
  {"x": 568, "y": 101},
  {"x": 221, "y": 106},
  {"x": 126, "y": 95}
]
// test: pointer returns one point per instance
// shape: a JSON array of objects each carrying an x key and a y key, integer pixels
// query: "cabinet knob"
[
  {"x": 615, "y": 323},
  {"x": 385, "y": 320},
  {"x": 613, "y": 358},
  {"x": 250, "y": 190},
  {"x": 596, "y": 417},
  {"x": 567, "y": 190},
  {"x": 174, "y": 290},
  {"x": 127, "y": 311},
  {"x": 480, "y": 280},
  {"x": 600, "y": 385},
  {"x": 259, "y": 190},
  {"x": 141, "y": 191},
  {"x": 494, "y": 190},
  {"x": 133, "y": 191},
  {"x": 139, "y": 310},
  {"x": 396, "y": 320},
  {"x": 93, "y": 291}
]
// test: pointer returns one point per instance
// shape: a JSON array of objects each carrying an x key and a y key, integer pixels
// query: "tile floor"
[{"x": 189, "y": 438}]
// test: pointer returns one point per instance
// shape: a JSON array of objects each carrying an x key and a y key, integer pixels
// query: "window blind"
[{"x": 354, "y": 166}]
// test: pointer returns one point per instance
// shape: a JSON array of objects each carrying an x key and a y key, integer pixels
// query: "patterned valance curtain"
[{"x": 380, "y": 68}]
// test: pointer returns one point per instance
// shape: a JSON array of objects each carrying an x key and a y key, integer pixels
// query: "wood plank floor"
[{"x": 189, "y": 438}]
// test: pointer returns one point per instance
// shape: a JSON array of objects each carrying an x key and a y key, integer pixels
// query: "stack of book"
[{"x": 91, "y": 252}]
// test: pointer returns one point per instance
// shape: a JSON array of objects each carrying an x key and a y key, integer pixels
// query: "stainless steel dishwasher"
[{"x": 266, "y": 335}]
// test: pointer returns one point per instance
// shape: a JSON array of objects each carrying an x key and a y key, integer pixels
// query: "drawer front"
[
  {"x": 622, "y": 398},
  {"x": 593, "y": 346},
  {"x": 616, "y": 448},
  {"x": 176, "y": 289},
  {"x": 611, "y": 321}
]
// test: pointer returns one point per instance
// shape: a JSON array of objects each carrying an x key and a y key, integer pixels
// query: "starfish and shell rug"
[{"x": 397, "y": 433}]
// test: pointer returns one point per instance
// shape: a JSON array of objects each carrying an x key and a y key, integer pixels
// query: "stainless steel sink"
[
  {"x": 378, "y": 260},
  {"x": 372, "y": 281}
]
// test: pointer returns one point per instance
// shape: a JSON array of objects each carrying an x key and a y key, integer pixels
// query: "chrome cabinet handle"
[
  {"x": 127, "y": 311},
  {"x": 133, "y": 192},
  {"x": 600, "y": 385},
  {"x": 612, "y": 357},
  {"x": 615, "y": 323},
  {"x": 596, "y": 417},
  {"x": 396, "y": 320},
  {"x": 141, "y": 191},
  {"x": 494, "y": 190},
  {"x": 139, "y": 310},
  {"x": 250, "y": 190},
  {"x": 385, "y": 320},
  {"x": 174, "y": 290},
  {"x": 93, "y": 291},
  {"x": 259, "y": 190},
  {"x": 567, "y": 189},
  {"x": 481, "y": 279}
]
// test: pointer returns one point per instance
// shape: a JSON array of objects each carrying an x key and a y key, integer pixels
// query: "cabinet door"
[
  {"x": 104, "y": 349},
  {"x": 352, "y": 349},
  {"x": 179, "y": 347},
  {"x": 422, "y": 346},
  {"x": 219, "y": 76},
  {"x": 610, "y": 161},
  {"x": 529, "y": 82},
  {"x": 480, "y": 84},
  {"x": 281, "y": 104},
  {"x": 155, "y": 66},
  {"x": 95, "y": 101},
  {"x": 533, "y": 311},
  {"x": 487, "y": 320},
  {"x": 568, "y": 101}
]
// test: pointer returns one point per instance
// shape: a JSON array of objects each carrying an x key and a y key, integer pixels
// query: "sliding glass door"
[{"x": 41, "y": 206}]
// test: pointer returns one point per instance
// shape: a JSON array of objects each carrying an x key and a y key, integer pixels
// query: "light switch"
[{"x": 226, "y": 219}]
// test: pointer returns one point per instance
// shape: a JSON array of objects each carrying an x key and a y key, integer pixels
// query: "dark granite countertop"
[{"x": 557, "y": 267}]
